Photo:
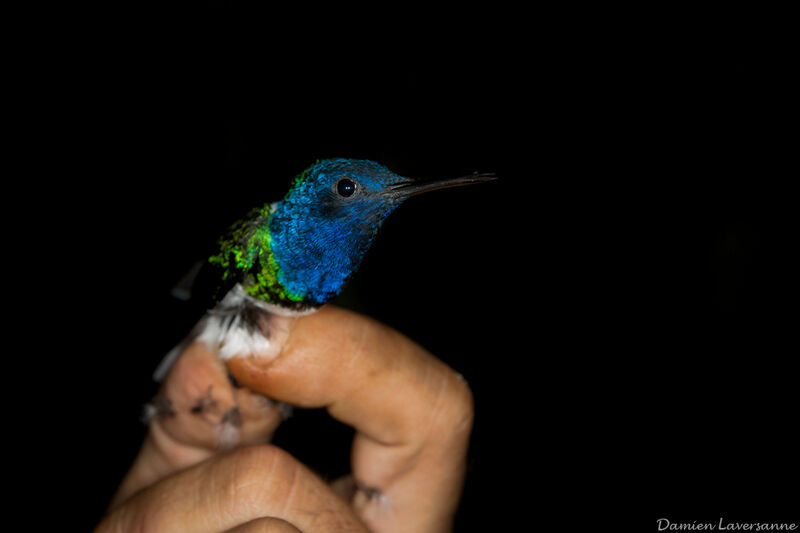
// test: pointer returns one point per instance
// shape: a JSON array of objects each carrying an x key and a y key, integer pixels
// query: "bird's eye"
[{"x": 345, "y": 187}]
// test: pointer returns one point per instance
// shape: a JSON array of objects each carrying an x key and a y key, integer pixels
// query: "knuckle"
[
  {"x": 456, "y": 407},
  {"x": 463, "y": 404},
  {"x": 255, "y": 458},
  {"x": 258, "y": 474}
]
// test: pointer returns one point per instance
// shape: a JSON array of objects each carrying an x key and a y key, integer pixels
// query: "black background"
[{"x": 618, "y": 300}]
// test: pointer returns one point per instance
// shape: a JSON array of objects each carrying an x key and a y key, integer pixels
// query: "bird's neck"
[{"x": 314, "y": 254}]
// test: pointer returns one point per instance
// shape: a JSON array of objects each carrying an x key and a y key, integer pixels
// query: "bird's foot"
[{"x": 200, "y": 404}]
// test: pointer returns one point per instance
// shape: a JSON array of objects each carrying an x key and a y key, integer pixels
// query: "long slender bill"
[{"x": 414, "y": 187}]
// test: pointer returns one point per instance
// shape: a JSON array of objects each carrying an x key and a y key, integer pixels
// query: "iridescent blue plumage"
[{"x": 319, "y": 236}]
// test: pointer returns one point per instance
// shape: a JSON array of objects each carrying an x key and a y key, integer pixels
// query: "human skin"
[{"x": 411, "y": 412}]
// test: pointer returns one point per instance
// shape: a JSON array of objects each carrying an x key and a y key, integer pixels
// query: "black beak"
[{"x": 413, "y": 187}]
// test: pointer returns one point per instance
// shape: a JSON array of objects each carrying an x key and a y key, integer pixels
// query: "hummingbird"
[{"x": 290, "y": 257}]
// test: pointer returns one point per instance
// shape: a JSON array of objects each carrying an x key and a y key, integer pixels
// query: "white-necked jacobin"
[{"x": 293, "y": 256}]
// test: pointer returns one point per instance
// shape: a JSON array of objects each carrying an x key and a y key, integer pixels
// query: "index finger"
[
  {"x": 412, "y": 413},
  {"x": 254, "y": 487}
]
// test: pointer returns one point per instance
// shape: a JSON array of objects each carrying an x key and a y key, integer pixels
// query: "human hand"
[{"x": 412, "y": 415}]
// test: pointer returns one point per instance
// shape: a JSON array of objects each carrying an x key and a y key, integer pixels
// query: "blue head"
[{"x": 323, "y": 227}]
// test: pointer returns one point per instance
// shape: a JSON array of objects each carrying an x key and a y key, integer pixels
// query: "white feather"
[{"x": 234, "y": 340}]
